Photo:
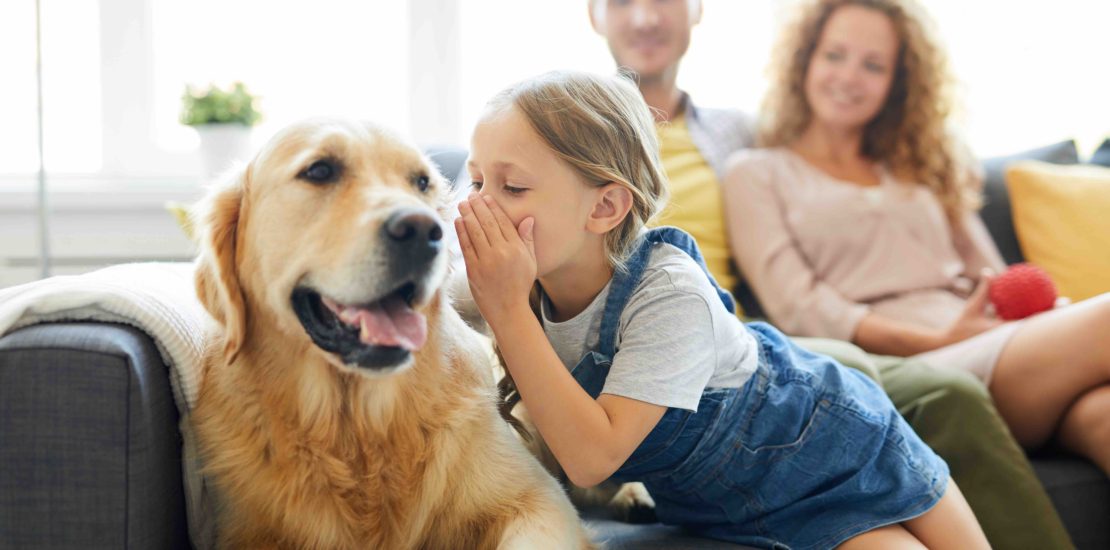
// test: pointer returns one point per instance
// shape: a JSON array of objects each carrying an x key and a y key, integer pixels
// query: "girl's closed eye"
[{"x": 508, "y": 188}]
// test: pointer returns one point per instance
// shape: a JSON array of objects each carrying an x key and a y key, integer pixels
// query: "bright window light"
[
  {"x": 71, "y": 86},
  {"x": 332, "y": 58},
  {"x": 1029, "y": 73},
  {"x": 17, "y": 93}
]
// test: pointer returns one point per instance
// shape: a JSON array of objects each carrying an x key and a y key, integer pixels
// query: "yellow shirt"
[{"x": 695, "y": 206}]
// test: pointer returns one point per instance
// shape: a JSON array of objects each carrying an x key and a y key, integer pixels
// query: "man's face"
[{"x": 648, "y": 36}]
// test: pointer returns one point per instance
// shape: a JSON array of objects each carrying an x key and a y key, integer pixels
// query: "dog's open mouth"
[{"x": 376, "y": 335}]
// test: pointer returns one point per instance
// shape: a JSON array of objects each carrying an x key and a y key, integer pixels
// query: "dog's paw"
[{"x": 633, "y": 504}]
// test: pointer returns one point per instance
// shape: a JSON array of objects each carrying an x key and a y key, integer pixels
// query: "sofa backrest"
[{"x": 996, "y": 212}]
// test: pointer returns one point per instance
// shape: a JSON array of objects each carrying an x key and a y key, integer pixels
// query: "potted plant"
[{"x": 223, "y": 118}]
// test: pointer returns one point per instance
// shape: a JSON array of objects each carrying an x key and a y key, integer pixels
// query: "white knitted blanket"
[{"x": 157, "y": 298}]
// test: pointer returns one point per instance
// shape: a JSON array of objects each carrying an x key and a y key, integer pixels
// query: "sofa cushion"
[
  {"x": 1081, "y": 494},
  {"x": 996, "y": 201},
  {"x": 617, "y": 535},
  {"x": 1101, "y": 156},
  {"x": 449, "y": 160},
  {"x": 607, "y": 527},
  {"x": 1060, "y": 216}
]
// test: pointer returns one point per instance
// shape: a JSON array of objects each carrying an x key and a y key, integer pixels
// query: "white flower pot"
[{"x": 222, "y": 146}]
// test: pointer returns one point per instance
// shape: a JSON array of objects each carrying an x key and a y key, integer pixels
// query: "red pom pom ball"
[{"x": 1021, "y": 291}]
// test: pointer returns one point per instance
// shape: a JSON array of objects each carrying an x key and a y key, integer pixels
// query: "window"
[
  {"x": 71, "y": 87},
  {"x": 1030, "y": 73},
  {"x": 114, "y": 70},
  {"x": 336, "y": 58},
  {"x": 499, "y": 47}
]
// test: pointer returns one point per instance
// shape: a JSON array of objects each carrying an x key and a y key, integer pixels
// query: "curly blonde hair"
[{"x": 910, "y": 133}]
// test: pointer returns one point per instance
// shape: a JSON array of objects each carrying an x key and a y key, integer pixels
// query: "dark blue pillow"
[
  {"x": 996, "y": 200},
  {"x": 1102, "y": 155}
]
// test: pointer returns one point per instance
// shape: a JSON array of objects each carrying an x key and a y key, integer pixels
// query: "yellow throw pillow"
[{"x": 1062, "y": 218}]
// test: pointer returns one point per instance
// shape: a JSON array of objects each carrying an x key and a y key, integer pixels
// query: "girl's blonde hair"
[
  {"x": 601, "y": 127},
  {"x": 910, "y": 133}
]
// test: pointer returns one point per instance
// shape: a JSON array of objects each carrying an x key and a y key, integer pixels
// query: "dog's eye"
[
  {"x": 321, "y": 171},
  {"x": 421, "y": 182}
]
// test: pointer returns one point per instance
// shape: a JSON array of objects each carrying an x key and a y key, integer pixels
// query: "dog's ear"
[{"x": 217, "y": 279}]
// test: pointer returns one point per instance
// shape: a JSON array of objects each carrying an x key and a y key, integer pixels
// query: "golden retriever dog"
[{"x": 344, "y": 403}]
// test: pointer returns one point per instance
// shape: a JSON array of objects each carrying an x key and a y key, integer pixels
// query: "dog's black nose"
[
  {"x": 413, "y": 238},
  {"x": 412, "y": 226}
]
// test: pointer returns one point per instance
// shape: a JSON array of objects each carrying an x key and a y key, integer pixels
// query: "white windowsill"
[{"x": 82, "y": 193}]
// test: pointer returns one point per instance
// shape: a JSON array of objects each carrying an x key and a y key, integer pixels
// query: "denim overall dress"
[{"x": 806, "y": 454}]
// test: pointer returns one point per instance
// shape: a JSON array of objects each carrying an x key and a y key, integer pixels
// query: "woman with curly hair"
[{"x": 858, "y": 221}]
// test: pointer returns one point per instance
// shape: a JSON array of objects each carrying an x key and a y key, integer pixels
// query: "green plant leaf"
[{"x": 235, "y": 105}]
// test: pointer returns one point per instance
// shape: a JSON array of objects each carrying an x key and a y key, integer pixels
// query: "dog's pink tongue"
[{"x": 392, "y": 323}]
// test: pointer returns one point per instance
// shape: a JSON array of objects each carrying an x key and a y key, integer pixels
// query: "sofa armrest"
[{"x": 90, "y": 451}]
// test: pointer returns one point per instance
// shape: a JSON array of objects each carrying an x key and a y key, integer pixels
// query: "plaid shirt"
[{"x": 717, "y": 133}]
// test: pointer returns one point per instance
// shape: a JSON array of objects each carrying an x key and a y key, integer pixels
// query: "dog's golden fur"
[{"x": 306, "y": 451}]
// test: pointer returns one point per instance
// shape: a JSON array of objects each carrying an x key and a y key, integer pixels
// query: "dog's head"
[{"x": 331, "y": 233}]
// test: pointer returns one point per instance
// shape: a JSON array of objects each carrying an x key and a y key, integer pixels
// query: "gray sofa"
[{"x": 90, "y": 448}]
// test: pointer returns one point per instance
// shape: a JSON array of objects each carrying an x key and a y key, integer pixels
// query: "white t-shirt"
[{"x": 674, "y": 338}]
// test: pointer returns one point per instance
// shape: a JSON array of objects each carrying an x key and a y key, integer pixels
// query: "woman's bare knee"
[
  {"x": 1048, "y": 363},
  {"x": 1086, "y": 426}
]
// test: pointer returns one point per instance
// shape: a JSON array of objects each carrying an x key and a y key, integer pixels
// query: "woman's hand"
[
  {"x": 500, "y": 258},
  {"x": 975, "y": 318}
]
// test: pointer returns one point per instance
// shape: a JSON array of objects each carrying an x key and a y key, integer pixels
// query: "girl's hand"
[
  {"x": 500, "y": 259},
  {"x": 975, "y": 318}
]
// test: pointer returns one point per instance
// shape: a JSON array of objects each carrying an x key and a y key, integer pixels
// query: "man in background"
[{"x": 950, "y": 410}]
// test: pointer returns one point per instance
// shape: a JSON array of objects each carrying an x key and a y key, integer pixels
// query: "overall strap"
[{"x": 627, "y": 279}]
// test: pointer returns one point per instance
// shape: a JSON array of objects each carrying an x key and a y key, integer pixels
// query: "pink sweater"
[{"x": 820, "y": 253}]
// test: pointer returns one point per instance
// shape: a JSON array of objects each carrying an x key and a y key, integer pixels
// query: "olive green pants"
[{"x": 953, "y": 413}]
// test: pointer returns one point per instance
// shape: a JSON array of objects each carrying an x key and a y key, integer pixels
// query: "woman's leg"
[
  {"x": 1086, "y": 427},
  {"x": 952, "y": 412},
  {"x": 1045, "y": 376},
  {"x": 948, "y": 524}
]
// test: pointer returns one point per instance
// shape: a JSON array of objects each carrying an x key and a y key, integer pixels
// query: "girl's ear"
[{"x": 613, "y": 203}]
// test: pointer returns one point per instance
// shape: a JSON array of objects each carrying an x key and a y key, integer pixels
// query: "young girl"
[
  {"x": 858, "y": 221},
  {"x": 632, "y": 365}
]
